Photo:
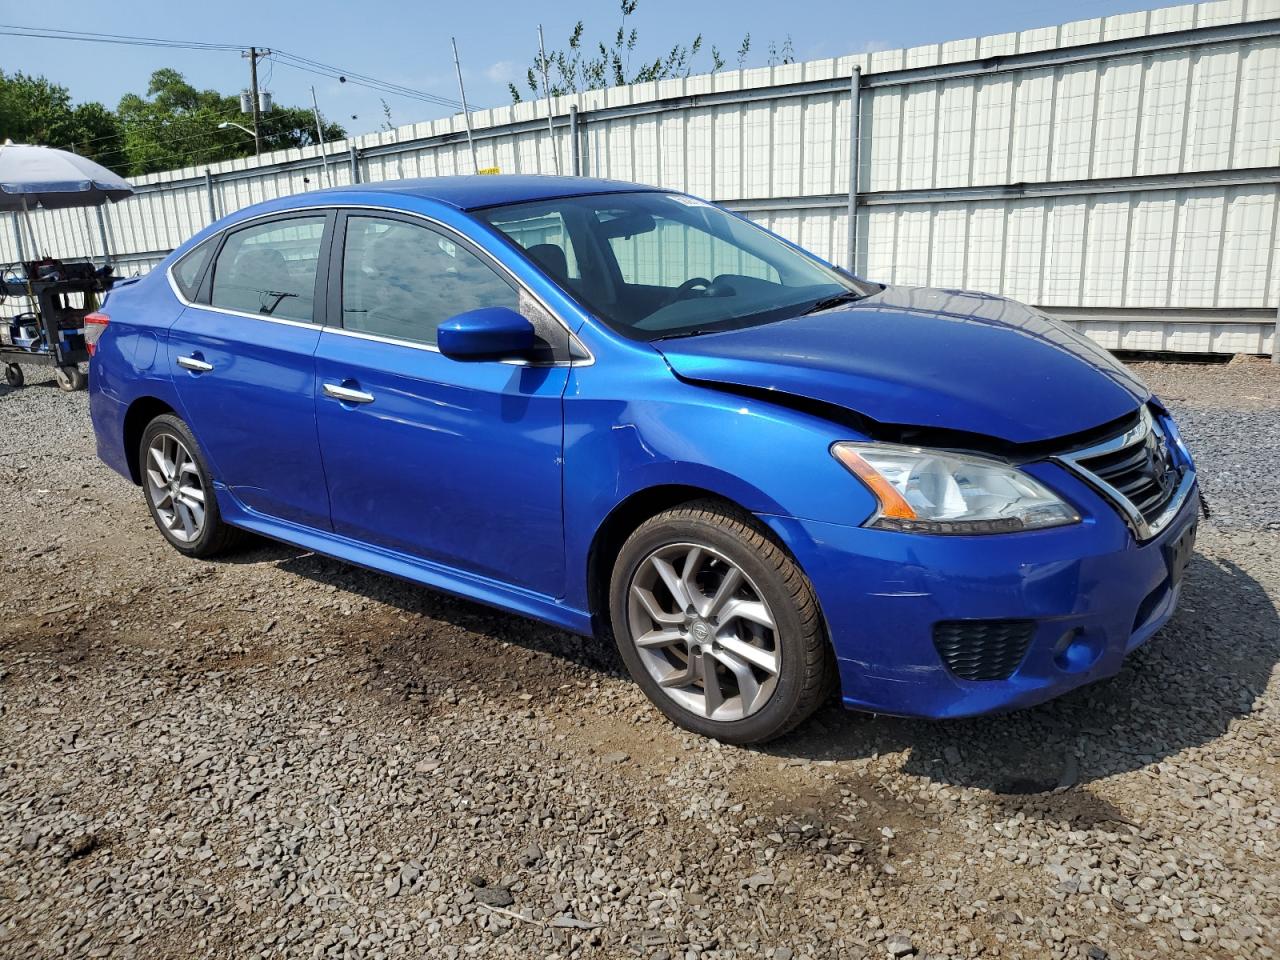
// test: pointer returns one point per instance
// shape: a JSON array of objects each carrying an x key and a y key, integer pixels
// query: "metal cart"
[
  {"x": 51, "y": 334},
  {"x": 50, "y": 331}
]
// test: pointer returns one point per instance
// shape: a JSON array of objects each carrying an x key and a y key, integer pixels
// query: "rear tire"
[
  {"x": 738, "y": 607},
  {"x": 178, "y": 488},
  {"x": 14, "y": 376}
]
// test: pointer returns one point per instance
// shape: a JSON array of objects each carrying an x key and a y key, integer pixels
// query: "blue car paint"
[
  {"x": 873, "y": 355},
  {"x": 635, "y": 419}
]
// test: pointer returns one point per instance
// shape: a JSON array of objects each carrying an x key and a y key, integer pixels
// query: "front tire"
[
  {"x": 178, "y": 488},
  {"x": 719, "y": 625}
]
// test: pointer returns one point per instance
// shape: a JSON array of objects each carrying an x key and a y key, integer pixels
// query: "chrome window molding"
[
  {"x": 1142, "y": 528},
  {"x": 586, "y": 360}
]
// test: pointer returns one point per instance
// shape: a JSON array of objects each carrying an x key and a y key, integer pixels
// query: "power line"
[{"x": 286, "y": 58}]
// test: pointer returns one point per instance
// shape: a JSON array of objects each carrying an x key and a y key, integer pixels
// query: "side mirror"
[{"x": 489, "y": 333}]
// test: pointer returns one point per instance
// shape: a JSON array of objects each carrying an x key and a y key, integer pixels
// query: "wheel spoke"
[
  {"x": 673, "y": 582},
  {"x": 184, "y": 515},
  {"x": 748, "y": 686},
  {"x": 165, "y": 465},
  {"x": 712, "y": 695},
  {"x": 660, "y": 638},
  {"x": 752, "y": 610},
  {"x": 732, "y": 580},
  {"x": 766, "y": 660},
  {"x": 681, "y": 678},
  {"x": 652, "y": 608},
  {"x": 688, "y": 578},
  {"x": 196, "y": 509},
  {"x": 192, "y": 493}
]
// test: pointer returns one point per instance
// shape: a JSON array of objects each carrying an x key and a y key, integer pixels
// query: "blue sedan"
[{"x": 631, "y": 414}]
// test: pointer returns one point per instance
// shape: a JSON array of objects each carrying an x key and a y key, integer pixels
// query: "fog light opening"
[{"x": 1075, "y": 651}]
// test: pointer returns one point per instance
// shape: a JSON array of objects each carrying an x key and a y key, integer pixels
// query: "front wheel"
[{"x": 719, "y": 625}]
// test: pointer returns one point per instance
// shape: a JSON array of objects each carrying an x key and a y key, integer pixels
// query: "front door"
[
  {"x": 453, "y": 462},
  {"x": 242, "y": 356}
]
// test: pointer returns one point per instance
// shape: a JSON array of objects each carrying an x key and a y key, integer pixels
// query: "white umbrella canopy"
[
  {"x": 32, "y": 176},
  {"x": 44, "y": 177}
]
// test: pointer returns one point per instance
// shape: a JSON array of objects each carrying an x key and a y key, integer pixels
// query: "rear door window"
[{"x": 270, "y": 269}]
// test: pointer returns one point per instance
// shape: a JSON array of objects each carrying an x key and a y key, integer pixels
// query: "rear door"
[
  {"x": 242, "y": 355},
  {"x": 453, "y": 462}
]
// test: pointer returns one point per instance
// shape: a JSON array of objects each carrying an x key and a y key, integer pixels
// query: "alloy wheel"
[
  {"x": 175, "y": 488},
  {"x": 704, "y": 631}
]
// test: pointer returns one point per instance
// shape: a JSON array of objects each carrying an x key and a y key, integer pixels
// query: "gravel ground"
[{"x": 279, "y": 755}]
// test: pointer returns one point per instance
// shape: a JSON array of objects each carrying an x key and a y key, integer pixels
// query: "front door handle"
[
  {"x": 194, "y": 364},
  {"x": 346, "y": 394}
]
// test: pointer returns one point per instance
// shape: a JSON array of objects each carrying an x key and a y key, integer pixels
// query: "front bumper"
[{"x": 1093, "y": 592}]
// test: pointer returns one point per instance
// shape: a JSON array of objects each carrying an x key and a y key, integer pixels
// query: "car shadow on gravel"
[
  {"x": 1182, "y": 689},
  {"x": 435, "y": 616}
]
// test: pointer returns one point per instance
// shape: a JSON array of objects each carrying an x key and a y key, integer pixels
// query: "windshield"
[{"x": 655, "y": 265}]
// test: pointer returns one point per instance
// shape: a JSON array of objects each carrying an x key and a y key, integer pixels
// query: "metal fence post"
[
  {"x": 208, "y": 186},
  {"x": 102, "y": 234},
  {"x": 575, "y": 150},
  {"x": 1275, "y": 339},
  {"x": 855, "y": 116},
  {"x": 355, "y": 163},
  {"x": 17, "y": 238}
]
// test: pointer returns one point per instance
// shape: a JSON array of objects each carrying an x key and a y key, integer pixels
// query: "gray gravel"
[{"x": 279, "y": 755}]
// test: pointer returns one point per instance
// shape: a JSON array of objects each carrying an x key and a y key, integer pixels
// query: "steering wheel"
[{"x": 685, "y": 289}]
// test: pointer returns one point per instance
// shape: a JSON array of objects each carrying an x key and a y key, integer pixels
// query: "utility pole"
[
  {"x": 324, "y": 154},
  {"x": 254, "y": 55},
  {"x": 466, "y": 112}
]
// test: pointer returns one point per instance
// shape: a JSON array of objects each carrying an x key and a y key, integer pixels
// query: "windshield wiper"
[
  {"x": 680, "y": 335},
  {"x": 826, "y": 303}
]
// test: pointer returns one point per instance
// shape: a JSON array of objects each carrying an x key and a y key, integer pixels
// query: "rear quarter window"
[{"x": 189, "y": 271}]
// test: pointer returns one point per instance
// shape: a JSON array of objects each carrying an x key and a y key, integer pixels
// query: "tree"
[
  {"x": 179, "y": 126},
  {"x": 35, "y": 110},
  {"x": 573, "y": 68}
]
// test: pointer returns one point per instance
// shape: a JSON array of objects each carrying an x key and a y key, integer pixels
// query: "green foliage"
[
  {"x": 580, "y": 66},
  {"x": 35, "y": 110},
  {"x": 178, "y": 126},
  {"x": 173, "y": 125}
]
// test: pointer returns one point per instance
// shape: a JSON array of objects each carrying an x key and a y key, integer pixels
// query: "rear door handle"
[
  {"x": 346, "y": 394},
  {"x": 195, "y": 364}
]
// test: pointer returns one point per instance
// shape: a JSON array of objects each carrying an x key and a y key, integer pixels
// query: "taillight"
[{"x": 94, "y": 324}]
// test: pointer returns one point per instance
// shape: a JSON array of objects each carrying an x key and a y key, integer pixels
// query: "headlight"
[{"x": 929, "y": 491}]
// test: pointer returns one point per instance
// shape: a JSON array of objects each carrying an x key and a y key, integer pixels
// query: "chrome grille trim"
[{"x": 1143, "y": 528}]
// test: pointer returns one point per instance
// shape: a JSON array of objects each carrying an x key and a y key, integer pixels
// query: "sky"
[{"x": 407, "y": 43}]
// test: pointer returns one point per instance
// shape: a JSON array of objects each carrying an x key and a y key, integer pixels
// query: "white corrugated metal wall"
[{"x": 1121, "y": 172}]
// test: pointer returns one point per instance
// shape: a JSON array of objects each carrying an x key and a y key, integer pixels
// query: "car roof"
[{"x": 477, "y": 192}]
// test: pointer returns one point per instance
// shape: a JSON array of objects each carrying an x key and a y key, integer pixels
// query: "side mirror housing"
[{"x": 489, "y": 333}]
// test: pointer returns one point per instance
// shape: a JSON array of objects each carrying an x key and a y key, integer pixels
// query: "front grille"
[
  {"x": 1136, "y": 470},
  {"x": 982, "y": 649}
]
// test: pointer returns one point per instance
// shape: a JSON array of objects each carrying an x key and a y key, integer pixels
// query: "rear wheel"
[
  {"x": 179, "y": 490},
  {"x": 719, "y": 625},
  {"x": 14, "y": 376}
]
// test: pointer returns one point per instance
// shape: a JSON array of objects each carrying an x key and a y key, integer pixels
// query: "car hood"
[{"x": 910, "y": 356}]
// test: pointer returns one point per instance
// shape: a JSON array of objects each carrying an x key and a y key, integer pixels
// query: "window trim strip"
[{"x": 575, "y": 344}]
